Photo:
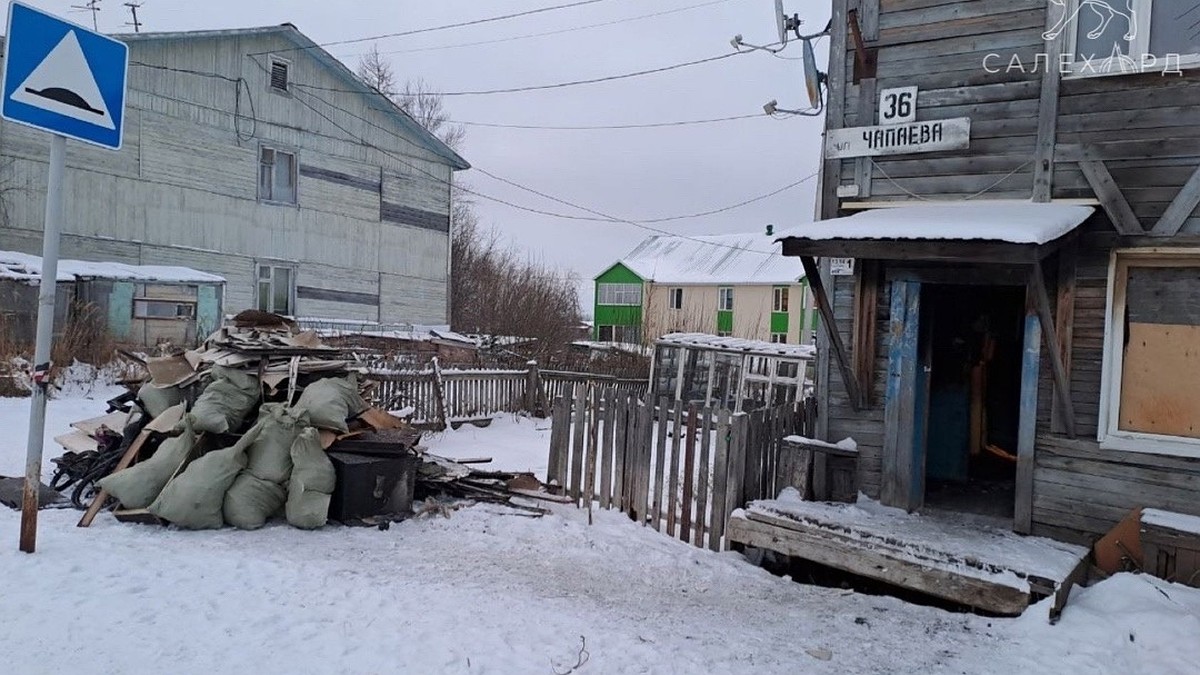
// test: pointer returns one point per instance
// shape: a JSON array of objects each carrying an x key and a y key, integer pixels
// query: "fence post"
[
  {"x": 689, "y": 473},
  {"x": 720, "y": 482},
  {"x": 533, "y": 391},
  {"x": 662, "y": 417},
  {"x": 672, "y": 500},
  {"x": 560, "y": 441},
  {"x": 439, "y": 395},
  {"x": 702, "y": 511},
  {"x": 578, "y": 448}
]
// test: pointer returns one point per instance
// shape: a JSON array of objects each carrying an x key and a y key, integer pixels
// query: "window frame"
[
  {"x": 724, "y": 293},
  {"x": 259, "y": 280},
  {"x": 287, "y": 64},
  {"x": 275, "y": 151},
  {"x": 779, "y": 299},
  {"x": 1139, "y": 47},
  {"x": 675, "y": 298},
  {"x": 166, "y": 301},
  {"x": 618, "y": 290},
  {"x": 1108, "y": 433},
  {"x": 724, "y": 333},
  {"x": 782, "y": 338}
]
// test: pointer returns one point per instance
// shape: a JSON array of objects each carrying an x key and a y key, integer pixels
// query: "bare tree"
[{"x": 493, "y": 290}]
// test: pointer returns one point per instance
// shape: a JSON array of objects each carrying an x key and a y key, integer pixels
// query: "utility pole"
[
  {"x": 92, "y": 6},
  {"x": 133, "y": 8}
]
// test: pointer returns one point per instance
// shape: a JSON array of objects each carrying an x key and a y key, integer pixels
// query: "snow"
[
  {"x": 751, "y": 258},
  {"x": 630, "y": 348},
  {"x": 706, "y": 341},
  {"x": 489, "y": 591},
  {"x": 1180, "y": 522},
  {"x": 944, "y": 540},
  {"x": 24, "y": 267},
  {"x": 846, "y": 444},
  {"x": 1016, "y": 222},
  {"x": 514, "y": 442}
]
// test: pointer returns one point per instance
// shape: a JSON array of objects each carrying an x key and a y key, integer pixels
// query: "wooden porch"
[{"x": 948, "y": 556}]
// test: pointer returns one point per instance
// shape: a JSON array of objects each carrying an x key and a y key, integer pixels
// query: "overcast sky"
[{"x": 633, "y": 174}]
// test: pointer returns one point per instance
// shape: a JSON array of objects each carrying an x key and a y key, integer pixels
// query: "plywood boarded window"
[{"x": 1153, "y": 361}]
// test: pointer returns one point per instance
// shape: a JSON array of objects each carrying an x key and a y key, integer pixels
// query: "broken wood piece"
[
  {"x": 474, "y": 460},
  {"x": 380, "y": 420},
  {"x": 544, "y": 496},
  {"x": 76, "y": 441},
  {"x": 140, "y": 516},
  {"x": 166, "y": 422},
  {"x": 126, "y": 460},
  {"x": 1121, "y": 546},
  {"x": 114, "y": 420},
  {"x": 169, "y": 371}
]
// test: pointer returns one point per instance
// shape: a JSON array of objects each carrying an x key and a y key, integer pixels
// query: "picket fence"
[{"x": 677, "y": 467}]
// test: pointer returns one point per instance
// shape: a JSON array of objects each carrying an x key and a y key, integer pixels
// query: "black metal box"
[{"x": 372, "y": 486}]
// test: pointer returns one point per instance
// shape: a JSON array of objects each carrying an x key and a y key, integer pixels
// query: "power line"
[
  {"x": 585, "y": 127},
  {"x": 558, "y": 85},
  {"x": 432, "y": 29},
  {"x": 560, "y": 31}
]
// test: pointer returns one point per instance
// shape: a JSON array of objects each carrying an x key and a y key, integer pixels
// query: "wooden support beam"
[
  {"x": 1037, "y": 286},
  {"x": 1180, "y": 208},
  {"x": 1031, "y": 355},
  {"x": 864, "y": 166},
  {"x": 866, "y": 295},
  {"x": 1064, "y": 324},
  {"x": 1047, "y": 132},
  {"x": 1111, "y": 199},
  {"x": 825, "y": 306}
]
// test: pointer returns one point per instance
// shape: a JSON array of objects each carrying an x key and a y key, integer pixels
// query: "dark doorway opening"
[{"x": 972, "y": 339}]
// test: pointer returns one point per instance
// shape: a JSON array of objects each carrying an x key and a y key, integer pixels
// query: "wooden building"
[
  {"x": 255, "y": 155},
  {"x": 1020, "y": 335}
]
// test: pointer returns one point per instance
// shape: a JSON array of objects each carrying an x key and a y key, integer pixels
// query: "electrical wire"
[
  {"x": 560, "y": 31},
  {"x": 432, "y": 29},
  {"x": 555, "y": 85},
  {"x": 586, "y": 127}
]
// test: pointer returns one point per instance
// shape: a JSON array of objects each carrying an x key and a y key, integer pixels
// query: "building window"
[
  {"x": 1150, "y": 398},
  {"x": 148, "y": 308},
  {"x": 619, "y": 294},
  {"x": 276, "y": 288},
  {"x": 622, "y": 334},
  {"x": 280, "y": 74},
  {"x": 676, "y": 298},
  {"x": 725, "y": 299},
  {"x": 724, "y": 333},
  {"x": 1129, "y": 37},
  {"x": 779, "y": 338},
  {"x": 276, "y": 175},
  {"x": 780, "y": 302}
]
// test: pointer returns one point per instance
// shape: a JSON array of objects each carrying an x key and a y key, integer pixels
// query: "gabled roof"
[
  {"x": 304, "y": 44},
  {"x": 713, "y": 259}
]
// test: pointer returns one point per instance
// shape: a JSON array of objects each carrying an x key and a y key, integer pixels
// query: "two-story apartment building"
[
  {"x": 1018, "y": 182},
  {"x": 255, "y": 155},
  {"x": 736, "y": 285}
]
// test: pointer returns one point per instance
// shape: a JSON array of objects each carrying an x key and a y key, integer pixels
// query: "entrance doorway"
[{"x": 971, "y": 344}]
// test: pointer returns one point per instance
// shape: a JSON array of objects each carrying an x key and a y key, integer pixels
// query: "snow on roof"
[
  {"x": 1015, "y": 222},
  {"x": 28, "y": 268},
  {"x": 628, "y": 348},
  {"x": 713, "y": 259},
  {"x": 733, "y": 344},
  {"x": 1170, "y": 520}
]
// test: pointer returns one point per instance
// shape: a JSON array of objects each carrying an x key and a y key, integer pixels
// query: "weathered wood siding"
[{"x": 184, "y": 188}]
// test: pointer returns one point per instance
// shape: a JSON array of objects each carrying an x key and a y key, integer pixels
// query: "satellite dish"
[
  {"x": 812, "y": 77},
  {"x": 781, "y": 22}
]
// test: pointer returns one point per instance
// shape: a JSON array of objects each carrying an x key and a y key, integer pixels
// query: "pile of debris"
[{"x": 262, "y": 421}]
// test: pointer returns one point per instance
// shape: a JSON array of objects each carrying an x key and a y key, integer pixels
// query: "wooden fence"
[
  {"x": 439, "y": 397},
  {"x": 679, "y": 468}
]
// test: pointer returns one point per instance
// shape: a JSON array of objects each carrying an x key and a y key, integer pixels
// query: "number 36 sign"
[{"x": 898, "y": 106}]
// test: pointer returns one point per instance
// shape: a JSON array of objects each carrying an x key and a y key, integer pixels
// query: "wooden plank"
[
  {"x": 864, "y": 166},
  {"x": 756, "y": 422},
  {"x": 1065, "y": 326},
  {"x": 125, "y": 461},
  {"x": 557, "y": 431},
  {"x": 595, "y": 419},
  {"x": 1062, "y": 385},
  {"x": 738, "y": 441},
  {"x": 900, "y": 406},
  {"x": 702, "y": 478},
  {"x": 720, "y": 482},
  {"x": 1110, "y": 196},
  {"x": 825, "y": 306},
  {"x": 821, "y": 546},
  {"x": 1180, "y": 209},
  {"x": 1027, "y": 425},
  {"x": 1047, "y": 129},
  {"x": 673, "y": 471},
  {"x": 578, "y": 427},
  {"x": 663, "y": 421},
  {"x": 866, "y": 298},
  {"x": 689, "y": 476},
  {"x": 606, "y": 461},
  {"x": 626, "y": 416}
]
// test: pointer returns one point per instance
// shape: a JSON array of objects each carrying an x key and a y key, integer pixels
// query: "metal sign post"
[
  {"x": 70, "y": 81},
  {"x": 41, "y": 350}
]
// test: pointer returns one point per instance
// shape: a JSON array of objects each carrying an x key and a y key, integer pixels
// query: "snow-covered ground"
[{"x": 490, "y": 591}]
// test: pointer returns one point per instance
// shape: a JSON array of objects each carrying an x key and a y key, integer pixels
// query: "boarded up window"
[{"x": 1160, "y": 354}]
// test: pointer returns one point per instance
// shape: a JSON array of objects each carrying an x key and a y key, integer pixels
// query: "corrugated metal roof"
[
  {"x": 305, "y": 44},
  {"x": 713, "y": 259}
]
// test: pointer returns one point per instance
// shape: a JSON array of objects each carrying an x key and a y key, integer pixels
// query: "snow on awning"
[
  {"x": 732, "y": 344},
  {"x": 992, "y": 231},
  {"x": 28, "y": 268}
]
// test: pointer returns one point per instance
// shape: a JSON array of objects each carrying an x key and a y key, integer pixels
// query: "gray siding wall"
[{"x": 184, "y": 188}]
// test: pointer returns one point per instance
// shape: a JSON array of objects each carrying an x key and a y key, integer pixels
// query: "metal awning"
[{"x": 983, "y": 231}]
